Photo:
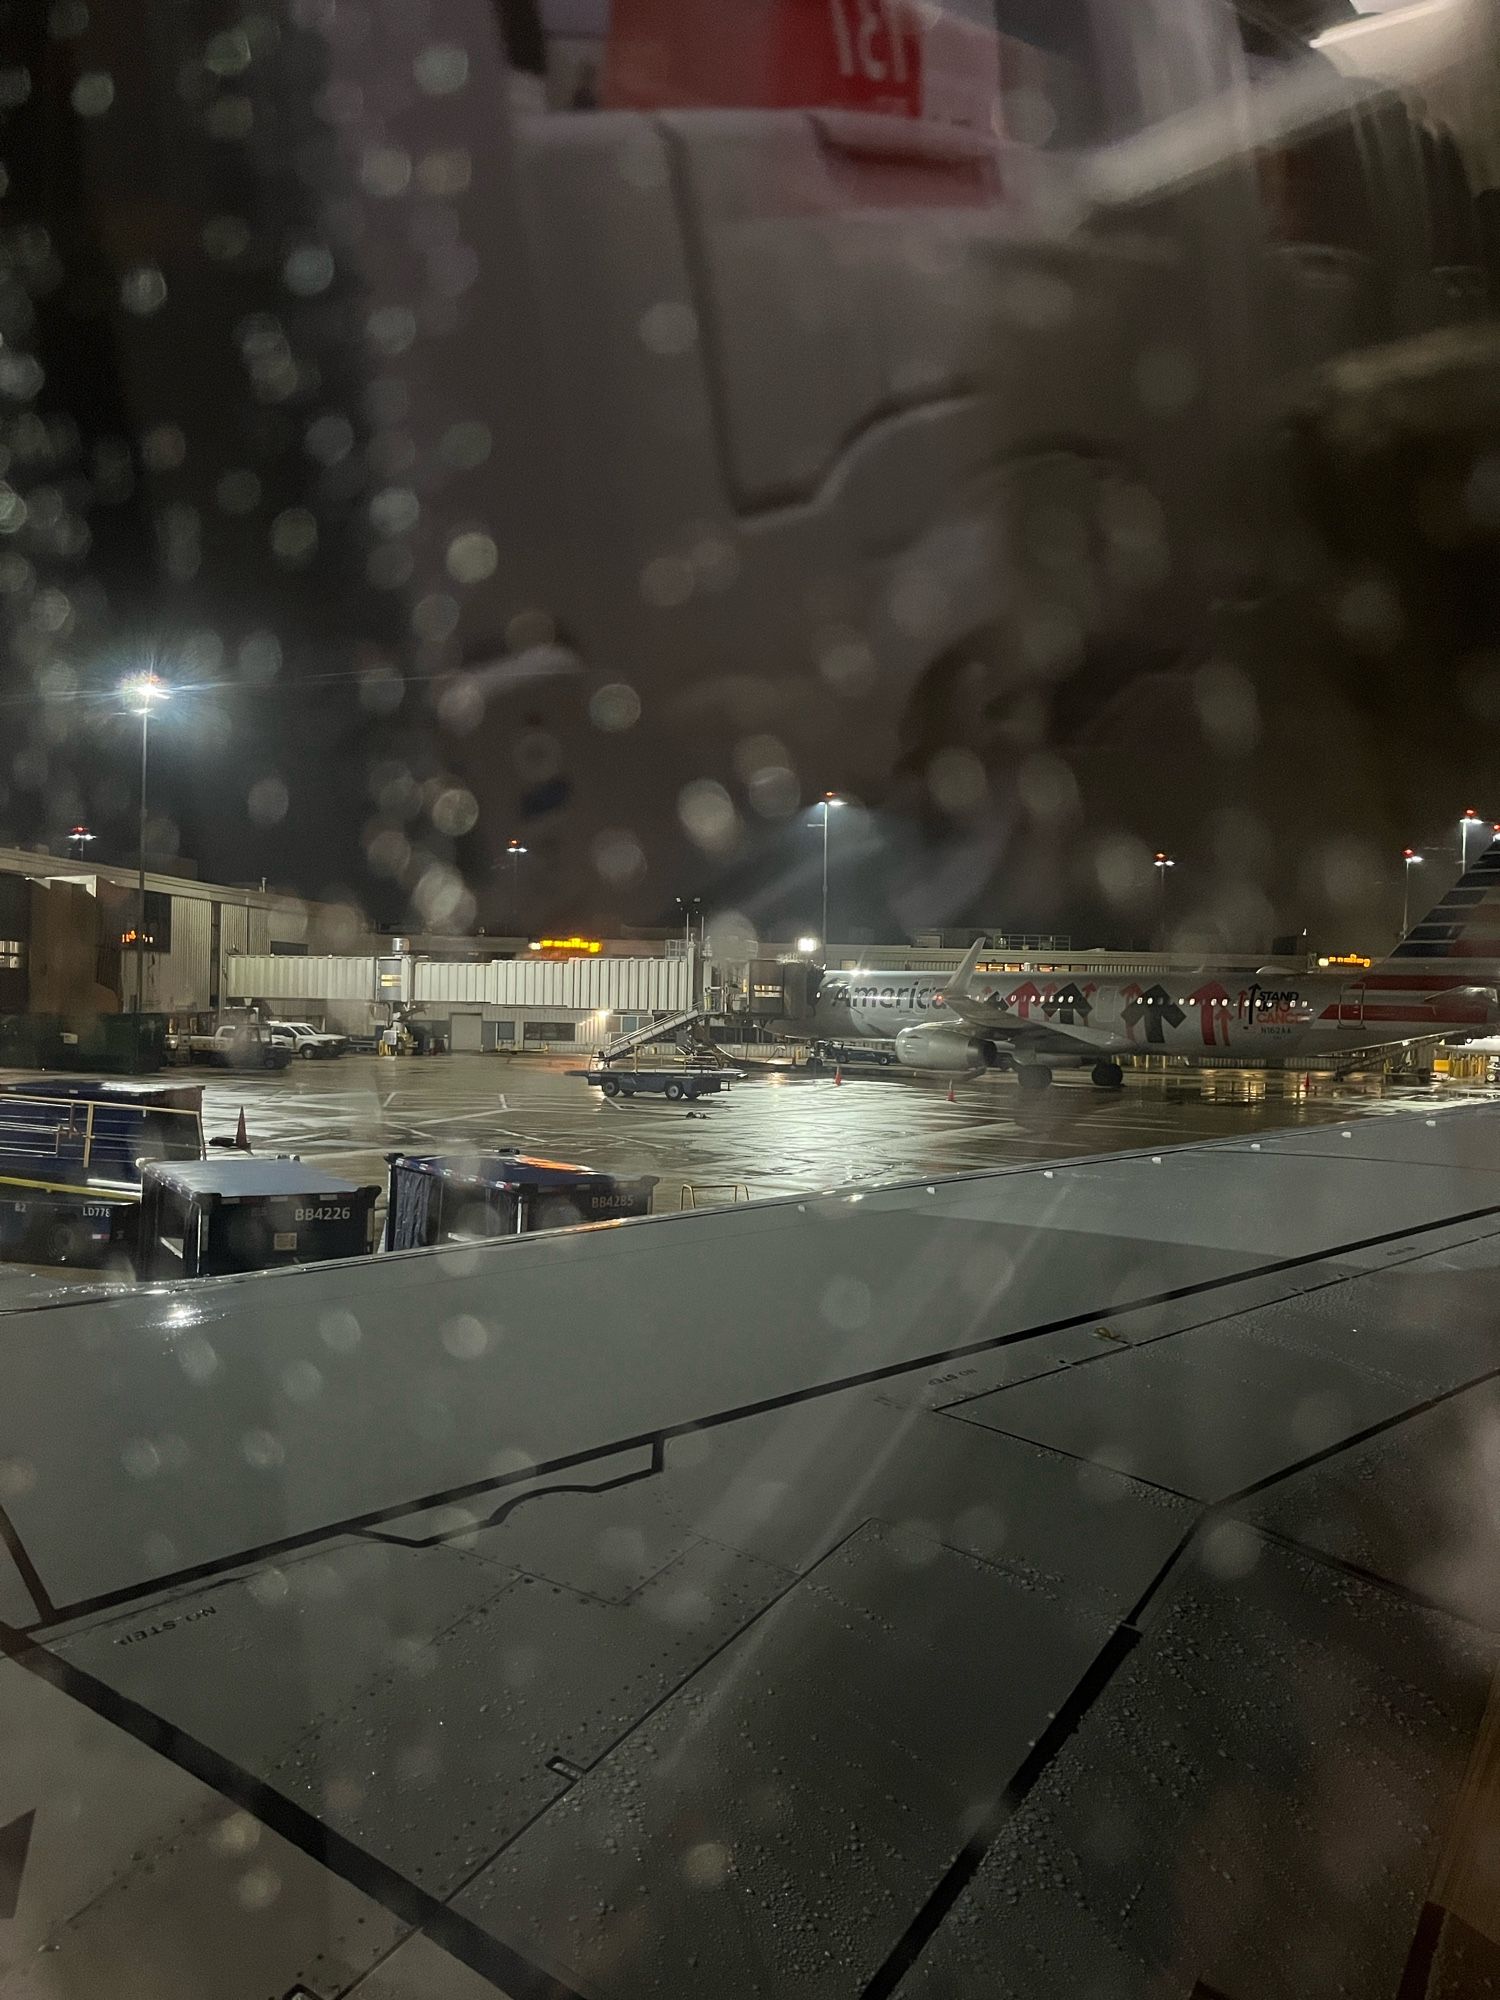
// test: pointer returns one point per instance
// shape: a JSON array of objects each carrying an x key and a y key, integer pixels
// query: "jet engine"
[{"x": 945, "y": 1045}]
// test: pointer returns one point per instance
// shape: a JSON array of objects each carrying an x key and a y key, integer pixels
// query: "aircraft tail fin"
[{"x": 1462, "y": 931}]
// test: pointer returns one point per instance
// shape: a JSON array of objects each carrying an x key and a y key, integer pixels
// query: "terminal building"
[{"x": 68, "y": 949}]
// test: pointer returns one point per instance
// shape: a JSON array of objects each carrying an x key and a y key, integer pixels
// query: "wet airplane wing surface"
[{"x": 1061, "y": 1581}]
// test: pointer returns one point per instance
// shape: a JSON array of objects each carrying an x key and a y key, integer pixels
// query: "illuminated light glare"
[
  {"x": 806, "y": 944},
  {"x": 143, "y": 689},
  {"x": 592, "y": 946}
]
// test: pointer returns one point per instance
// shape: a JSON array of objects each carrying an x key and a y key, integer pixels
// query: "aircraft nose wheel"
[
  {"x": 1108, "y": 1075},
  {"x": 1033, "y": 1076}
]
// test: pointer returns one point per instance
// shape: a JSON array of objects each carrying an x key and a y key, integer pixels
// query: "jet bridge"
[{"x": 769, "y": 989}]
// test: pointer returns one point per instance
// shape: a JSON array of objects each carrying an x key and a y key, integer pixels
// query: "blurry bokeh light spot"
[{"x": 93, "y": 94}]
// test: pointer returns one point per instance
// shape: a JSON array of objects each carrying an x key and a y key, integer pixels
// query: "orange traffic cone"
[
  {"x": 838, "y": 1074},
  {"x": 241, "y": 1137},
  {"x": 952, "y": 1094}
]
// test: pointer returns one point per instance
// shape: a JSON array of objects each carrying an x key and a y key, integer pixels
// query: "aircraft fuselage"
[{"x": 1260, "y": 1017}]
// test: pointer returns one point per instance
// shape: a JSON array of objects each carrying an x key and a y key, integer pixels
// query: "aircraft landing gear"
[
  {"x": 1033, "y": 1076},
  {"x": 1108, "y": 1075}
]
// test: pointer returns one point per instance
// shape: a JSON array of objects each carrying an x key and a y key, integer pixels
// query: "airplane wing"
[
  {"x": 1046, "y": 1582},
  {"x": 957, "y": 988}
]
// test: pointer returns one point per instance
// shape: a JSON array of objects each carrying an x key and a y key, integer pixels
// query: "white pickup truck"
[
  {"x": 233, "y": 1045},
  {"x": 307, "y": 1041}
]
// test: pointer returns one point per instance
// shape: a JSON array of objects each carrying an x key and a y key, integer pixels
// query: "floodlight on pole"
[{"x": 142, "y": 692}]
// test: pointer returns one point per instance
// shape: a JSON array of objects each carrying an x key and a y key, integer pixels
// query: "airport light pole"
[
  {"x": 142, "y": 691},
  {"x": 828, "y": 801},
  {"x": 515, "y": 850},
  {"x": 1161, "y": 863},
  {"x": 1413, "y": 860}
]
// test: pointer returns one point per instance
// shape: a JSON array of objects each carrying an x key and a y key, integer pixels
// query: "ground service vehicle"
[
  {"x": 677, "y": 1083},
  {"x": 849, "y": 1055},
  {"x": 237, "y": 1045},
  {"x": 309, "y": 1043}
]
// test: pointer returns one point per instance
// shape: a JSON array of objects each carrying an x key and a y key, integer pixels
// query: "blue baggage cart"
[
  {"x": 71, "y": 1155},
  {"x": 469, "y": 1197}
]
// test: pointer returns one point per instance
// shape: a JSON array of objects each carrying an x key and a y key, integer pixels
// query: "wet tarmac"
[
  {"x": 777, "y": 1132},
  {"x": 780, "y": 1132}
]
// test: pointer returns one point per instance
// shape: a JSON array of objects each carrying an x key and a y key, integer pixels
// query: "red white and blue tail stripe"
[{"x": 1464, "y": 929}]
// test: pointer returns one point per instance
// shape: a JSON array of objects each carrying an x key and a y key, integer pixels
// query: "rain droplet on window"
[
  {"x": 229, "y": 117},
  {"x": 465, "y": 1337},
  {"x": 380, "y": 690},
  {"x": 708, "y": 815},
  {"x": 453, "y": 269},
  {"x": 228, "y": 54},
  {"x": 441, "y": 68},
  {"x": 309, "y": 270},
  {"x": 385, "y": 171},
  {"x": 225, "y": 237},
  {"x": 395, "y": 510},
  {"x": 260, "y": 658},
  {"x": 615, "y": 707},
  {"x": 472, "y": 557},
  {"x": 847, "y": 665},
  {"x": 329, "y": 438},
  {"x": 460, "y": 706},
  {"x": 238, "y": 492},
  {"x": 93, "y": 94},
  {"x": 434, "y": 617},
  {"x": 388, "y": 850},
  {"x": 294, "y": 536},
  {"x": 392, "y": 328},
  {"x": 267, "y": 801},
  {"x": 618, "y": 856},
  {"x": 143, "y": 290},
  {"x": 163, "y": 448},
  {"x": 444, "y": 173},
  {"x": 956, "y": 780},
  {"x": 68, "y": 17},
  {"x": 258, "y": 1888},
  {"x": 465, "y": 445},
  {"x": 52, "y": 611},
  {"x": 1027, "y": 117},
  {"x": 667, "y": 581},
  {"x": 21, "y": 376},
  {"x": 455, "y": 811},
  {"x": 440, "y": 896}
]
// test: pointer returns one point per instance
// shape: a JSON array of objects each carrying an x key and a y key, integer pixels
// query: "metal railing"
[{"x": 738, "y": 1191}]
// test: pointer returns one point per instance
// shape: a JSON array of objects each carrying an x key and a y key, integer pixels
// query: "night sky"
[{"x": 206, "y": 471}]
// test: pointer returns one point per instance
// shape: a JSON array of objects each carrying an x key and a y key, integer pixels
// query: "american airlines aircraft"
[{"x": 1441, "y": 980}]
